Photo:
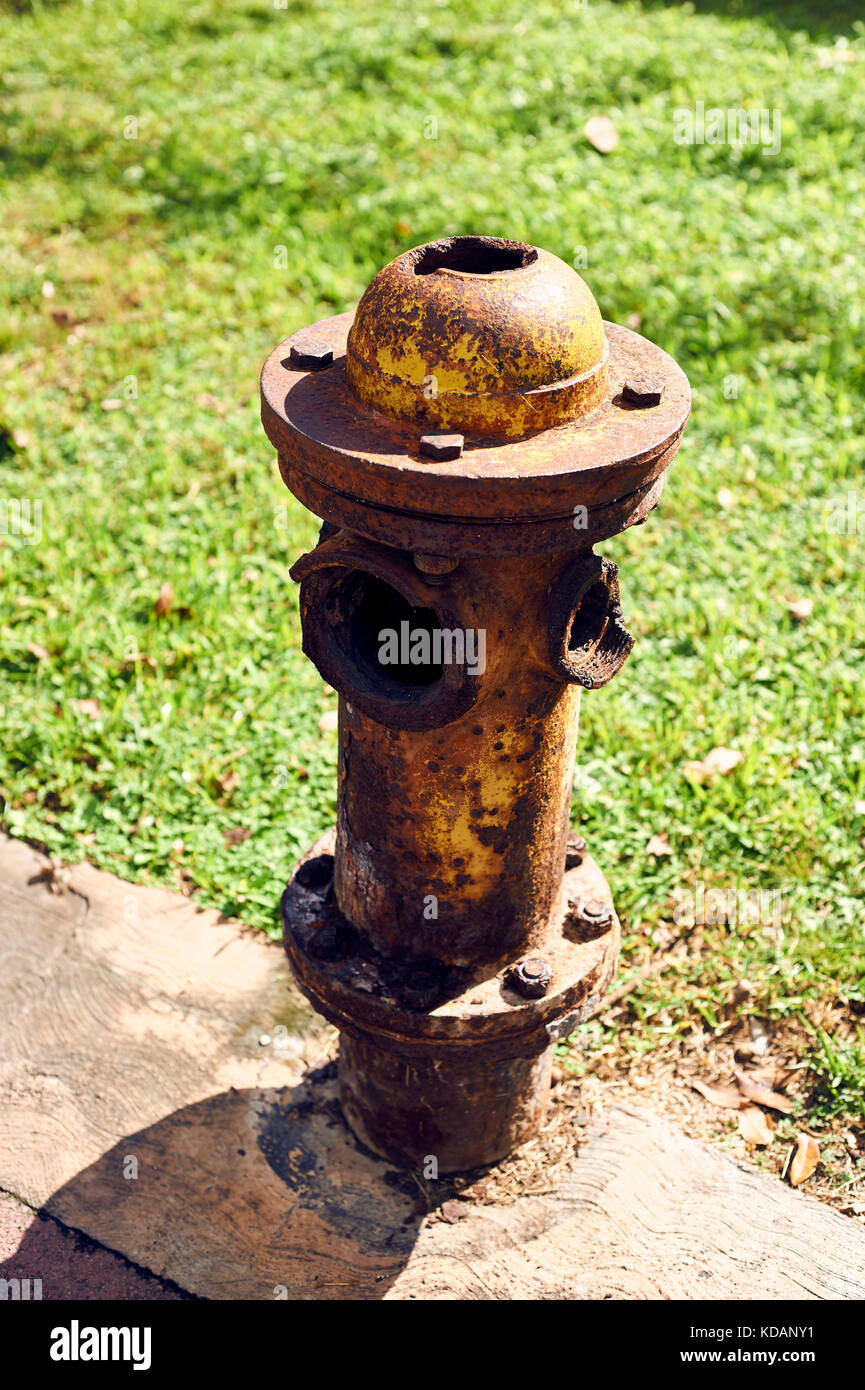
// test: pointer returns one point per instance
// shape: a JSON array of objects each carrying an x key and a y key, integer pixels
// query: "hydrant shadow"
[{"x": 253, "y": 1194}]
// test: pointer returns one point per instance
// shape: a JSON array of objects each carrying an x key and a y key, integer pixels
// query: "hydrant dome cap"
[{"x": 481, "y": 335}]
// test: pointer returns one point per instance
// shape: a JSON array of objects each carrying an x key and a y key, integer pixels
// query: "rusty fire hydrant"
[{"x": 467, "y": 436}]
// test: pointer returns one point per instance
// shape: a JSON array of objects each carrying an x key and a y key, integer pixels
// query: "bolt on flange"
[
  {"x": 643, "y": 390},
  {"x": 442, "y": 447},
  {"x": 594, "y": 912},
  {"x": 530, "y": 977},
  {"x": 421, "y": 989},
  {"x": 311, "y": 360},
  {"x": 575, "y": 851}
]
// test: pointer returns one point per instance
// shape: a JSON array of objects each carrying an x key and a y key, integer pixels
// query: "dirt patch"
[{"x": 663, "y": 1080}]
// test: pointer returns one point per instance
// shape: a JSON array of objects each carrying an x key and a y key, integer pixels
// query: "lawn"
[{"x": 182, "y": 187}]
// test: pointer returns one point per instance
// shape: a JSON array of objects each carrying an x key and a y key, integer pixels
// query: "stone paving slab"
[
  {"x": 66, "y": 1264},
  {"x": 120, "y": 1004},
  {"x": 138, "y": 1107}
]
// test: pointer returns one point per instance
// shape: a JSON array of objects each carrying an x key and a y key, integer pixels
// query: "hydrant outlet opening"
[
  {"x": 588, "y": 639},
  {"x": 474, "y": 255},
  {"x": 378, "y": 628},
  {"x": 589, "y": 622},
  {"x": 383, "y": 637}
]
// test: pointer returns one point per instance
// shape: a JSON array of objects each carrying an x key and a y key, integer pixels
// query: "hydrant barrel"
[
  {"x": 466, "y": 437},
  {"x": 451, "y": 840}
]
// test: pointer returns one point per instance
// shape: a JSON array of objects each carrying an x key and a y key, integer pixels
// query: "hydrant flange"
[
  {"x": 452, "y": 345},
  {"x": 461, "y": 1075}
]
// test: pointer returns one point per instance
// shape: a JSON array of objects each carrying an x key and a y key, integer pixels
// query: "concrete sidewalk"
[
  {"x": 70, "y": 1265},
  {"x": 160, "y": 1137}
]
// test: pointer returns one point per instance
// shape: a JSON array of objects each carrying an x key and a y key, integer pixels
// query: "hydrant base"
[
  {"x": 441, "y": 1114},
  {"x": 462, "y": 1078}
]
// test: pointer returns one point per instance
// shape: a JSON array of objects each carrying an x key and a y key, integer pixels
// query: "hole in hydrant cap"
[{"x": 474, "y": 255}]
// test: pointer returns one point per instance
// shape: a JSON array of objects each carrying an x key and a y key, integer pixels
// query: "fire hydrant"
[{"x": 467, "y": 436}]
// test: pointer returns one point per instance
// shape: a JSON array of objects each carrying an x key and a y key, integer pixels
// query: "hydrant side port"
[
  {"x": 448, "y": 925},
  {"x": 353, "y": 590},
  {"x": 589, "y": 642}
]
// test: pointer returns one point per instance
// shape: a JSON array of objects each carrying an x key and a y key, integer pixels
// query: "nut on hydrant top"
[{"x": 466, "y": 436}]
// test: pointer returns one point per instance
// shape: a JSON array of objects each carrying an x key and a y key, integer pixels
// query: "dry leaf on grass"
[
  {"x": 719, "y": 763},
  {"x": 236, "y": 835},
  {"x": 659, "y": 845},
  {"x": 112, "y": 403},
  {"x": 725, "y": 1096},
  {"x": 209, "y": 402},
  {"x": 35, "y": 650},
  {"x": 232, "y": 756},
  {"x": 328, "y": 722},
  {"x": 775, "y": 1077},
  {"x": 828, "y": 57},
  {"x": 754, "y": 1126},
  {"x": 805, "y": 1160},
  {"x": 452, "y": 1211},
  {"x": 91, "y": 708},
  {"x": 757, "y": 1045},
  {"x": 227, "y": 781},
  {"x": 800, "y": 609},
  {"x": 762, "y": 1095},
  {"x": 165, "y": 601},
  {"x": 600, "y": 132}
]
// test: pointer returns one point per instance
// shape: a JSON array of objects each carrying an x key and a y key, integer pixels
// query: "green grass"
[{"x": 305, "y": 129}]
